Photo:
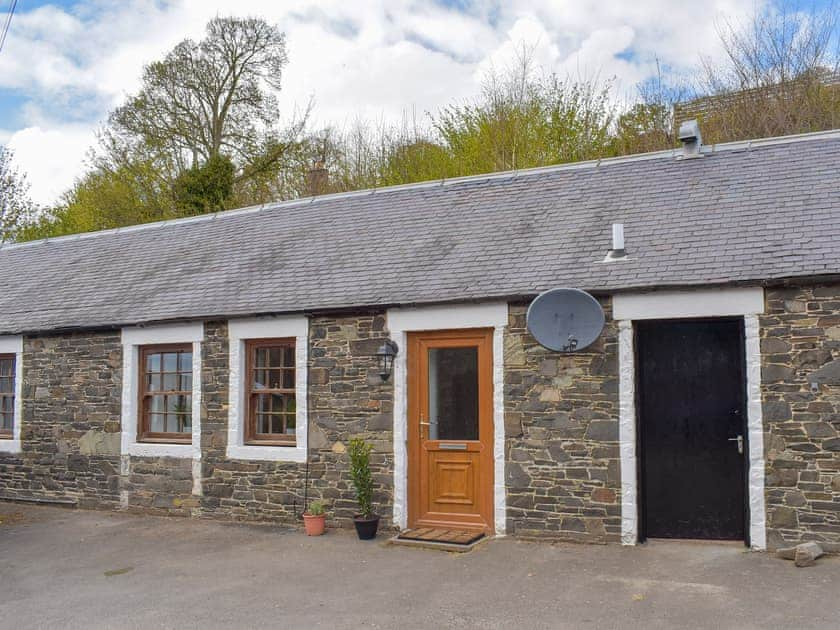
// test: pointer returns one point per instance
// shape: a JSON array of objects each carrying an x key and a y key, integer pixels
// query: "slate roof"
[{"x": 743, "y": 213}]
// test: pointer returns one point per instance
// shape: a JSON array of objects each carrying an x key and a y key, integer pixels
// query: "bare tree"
[
  {"x": 778, "y": 45},
  {"x": 779, "y": 76},
  {"x": 369, "y": 154}
]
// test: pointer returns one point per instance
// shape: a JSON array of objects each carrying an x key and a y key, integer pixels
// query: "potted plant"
[
  {"x": 366, "y": 521},
  {"x": 313, "y": 519}
]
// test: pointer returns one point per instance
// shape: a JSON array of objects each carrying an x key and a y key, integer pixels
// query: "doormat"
[{"x": 464, "y": 538}]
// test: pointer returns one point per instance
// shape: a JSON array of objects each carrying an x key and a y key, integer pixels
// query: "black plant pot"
[{"x": 366, "y": 527}]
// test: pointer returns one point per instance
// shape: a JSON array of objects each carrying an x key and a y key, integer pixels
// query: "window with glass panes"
[
  {"x": 7, "y": 395},
  {"x": 166, "y": 384},
  {"x": 271, "y": 391}
]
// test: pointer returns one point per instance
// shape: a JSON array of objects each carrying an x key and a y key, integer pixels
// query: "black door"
[{"x": 691, "y": 400}]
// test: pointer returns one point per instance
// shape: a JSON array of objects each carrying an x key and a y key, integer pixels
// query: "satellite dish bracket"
[{"x": 571, "y": 346}]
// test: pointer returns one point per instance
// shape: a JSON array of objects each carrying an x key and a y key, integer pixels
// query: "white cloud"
[
  {"x": 371, "y": 58},
  {"x": 527, "y": 32},
  {"x": 52, "y": 158}
]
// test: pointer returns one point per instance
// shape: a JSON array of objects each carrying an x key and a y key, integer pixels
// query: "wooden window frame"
[
  {"x": 251, "y": 435},
  {"x": 144, "y": 434},
  {"x": 8, "y": 434}
]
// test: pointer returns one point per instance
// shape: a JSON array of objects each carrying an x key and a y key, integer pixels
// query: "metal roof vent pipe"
[
  {"x": 691, "y": 139},
  {"x": 617, "y": 252}
]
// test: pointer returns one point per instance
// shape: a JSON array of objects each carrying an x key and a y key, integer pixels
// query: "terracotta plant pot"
[
  {"x": 366, "y": 527},
  {"x": 314, "y": 525}
]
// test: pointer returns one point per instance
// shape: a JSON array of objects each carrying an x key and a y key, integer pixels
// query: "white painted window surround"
[
  {"x": 10, "y": 344},
  {"x": 132, "y": 339},
  {"x": 451, "y": 317},
  {"x": 267, "y": 328},
  {"x": 743, "y": 302}
]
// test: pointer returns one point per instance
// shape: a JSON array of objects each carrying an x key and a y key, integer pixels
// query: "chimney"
[
  {"x": 691, "y": 140},
  {"x": 317, "y": 179}
]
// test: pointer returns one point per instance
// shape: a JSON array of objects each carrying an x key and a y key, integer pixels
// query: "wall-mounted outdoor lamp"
[{"x": 385, "y": 355}]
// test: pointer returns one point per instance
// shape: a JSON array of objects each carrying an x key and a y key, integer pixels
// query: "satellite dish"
[{"x": 565, "y": 320}]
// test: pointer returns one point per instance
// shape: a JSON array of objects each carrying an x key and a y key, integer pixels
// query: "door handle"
[
  {"x": 740, "y": 440},
  {"x": 421, "y": 425}
]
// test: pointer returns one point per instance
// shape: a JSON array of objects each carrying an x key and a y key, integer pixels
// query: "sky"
[{"x": 67, "y": 63}]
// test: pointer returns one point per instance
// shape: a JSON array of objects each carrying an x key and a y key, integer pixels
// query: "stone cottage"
[{"x": 217, "y": 366}]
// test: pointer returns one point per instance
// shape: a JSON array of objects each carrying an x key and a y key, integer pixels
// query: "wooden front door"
[
  {"x": 450, "y": 429},
  {"x": 692, "y": 428}
]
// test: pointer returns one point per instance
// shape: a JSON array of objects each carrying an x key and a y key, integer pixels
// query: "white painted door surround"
[
  {"x": 451, "y": 317},
  {"x": 701, "y": 303}
]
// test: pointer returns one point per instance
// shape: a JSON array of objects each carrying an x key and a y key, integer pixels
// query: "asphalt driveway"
[{"x": 78, "y": 569}]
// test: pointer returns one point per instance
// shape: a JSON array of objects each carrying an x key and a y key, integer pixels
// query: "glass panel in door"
[{"x": 453, "y": 393}]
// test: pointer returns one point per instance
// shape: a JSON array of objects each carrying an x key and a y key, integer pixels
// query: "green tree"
[
  {"x": 204, "y": 187},
  {"x": 415, "y": 161},
  {"x": 360, "y": 474},
  {"x": 523, "y": 120},
  {"x": 520, "y": 120},
  {"x": 214, "y": 96},
  {"x": 648, "y": 123},
  {"x": 105, "y": 199},
  {"x": 642, "y": 128},
  {"x": 16, "y": 208},
  {"x": 203, "y": 133},
  {"x": 368, "y": 156}
]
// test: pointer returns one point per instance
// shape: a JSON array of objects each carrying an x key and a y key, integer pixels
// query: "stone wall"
[
  {"x": 71, "y": 421},
  {"x": 561, "y": 425},
  {"x": 347, "y": 399},
  {"x": 159, "y": 485},
  {"x": 800, "y": 345},
  {"x": 71, "y": 431},
  {"x": 561, "y": 449},
  {"x": 241, "y": 490}
]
